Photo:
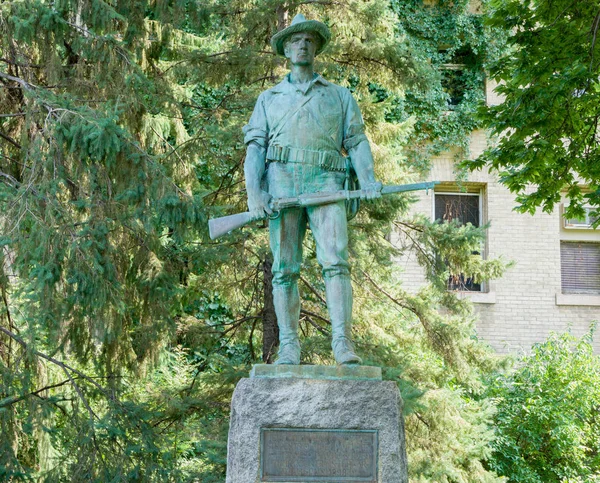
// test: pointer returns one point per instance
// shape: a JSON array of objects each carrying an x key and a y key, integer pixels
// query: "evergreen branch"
[
  {"x": 388, "y": 295},
  {"x": 173, "y": 149},
  {"x": 13, "y": 181},
  {"x": 8, "y": 317},
  {"x": 409, "y": 225},
  {"x": 237, "y": 323},
  {"x": 17, "y": 399},
  {"x": 204, "y": 59},
  {"x": 10, "y": 140},
  {"x": 16, "y": 114},
  {"x": 152, "y": 161},
  {"x": 218, "y": 54},
  {"x": 33, "y": 66},
  {"x": 14, "y": 160},
  {"x": 269, "y": 77},
  {"x": 326, "y": 3},
  {"x": 372, "y": 60},
  {"x": 60, "y": 364},
  {"x": 80, "y": 393},
  {"x": 314, "y": 324},
  {"x": 302, "y": 329},
  {"x": 26, "y": 85},
  {"x": 313, "y": 290},
  {"x": 227, "y": 175},
  {"x": 420, "y": 418},
  {"x": 188, "y": 141},
  {"x": 315, "y": 315},
  {"x": 439, "y": 340},
  {"x": 66, "y": 368},
  {"x": 89, "y": 33},
  {"x": 416, "y": 244}
]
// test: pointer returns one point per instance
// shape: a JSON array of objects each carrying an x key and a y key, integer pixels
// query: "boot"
[
  {"x": 286, "y": 300},
  {"x": 338, "y": 291}
]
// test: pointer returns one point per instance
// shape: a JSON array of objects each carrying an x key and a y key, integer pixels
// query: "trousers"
[{"x": 328, "y": 223}]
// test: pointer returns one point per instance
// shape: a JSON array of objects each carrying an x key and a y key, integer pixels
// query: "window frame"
[
  {"x": 595, "y": 292},
  {"x": 479, "y": 190},
  {"x": 577, "y": 226}
]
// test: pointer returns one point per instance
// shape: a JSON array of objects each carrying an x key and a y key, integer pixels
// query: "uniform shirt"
[{"x": 312, "y": 126}]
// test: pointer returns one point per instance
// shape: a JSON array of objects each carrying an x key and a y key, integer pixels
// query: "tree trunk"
[
  {"x": 282, "y": 16},
  {"x": 269, "y": 319}
]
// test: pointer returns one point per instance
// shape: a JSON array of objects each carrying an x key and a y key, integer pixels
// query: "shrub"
[{"x": 548, "y": 417}]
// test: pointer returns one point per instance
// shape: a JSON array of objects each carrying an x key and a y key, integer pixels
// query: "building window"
[
  {"x": 586, "y": 222},
  {"x": 461, "y": 75},
  {"x": 580, "y": 267},
  {"x": 465, "y": 208}
]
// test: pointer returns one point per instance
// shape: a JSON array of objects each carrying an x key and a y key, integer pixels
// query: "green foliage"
[
  {"x": 547, "y": 125},
  {"x": 451, "y": 37},
  {"x": 548, "y": 417}
]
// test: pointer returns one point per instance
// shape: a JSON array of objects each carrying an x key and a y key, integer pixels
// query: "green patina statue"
[{"x": 297, "y": 139}]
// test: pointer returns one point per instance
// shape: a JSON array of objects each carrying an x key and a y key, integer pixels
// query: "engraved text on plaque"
[{"x": 343, "y": 456}]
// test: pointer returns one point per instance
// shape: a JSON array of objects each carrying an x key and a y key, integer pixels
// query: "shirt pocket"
[{"x": 332, "y": 124}]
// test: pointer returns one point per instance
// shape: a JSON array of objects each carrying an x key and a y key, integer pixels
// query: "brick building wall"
[{"x": 526, "y": 304}]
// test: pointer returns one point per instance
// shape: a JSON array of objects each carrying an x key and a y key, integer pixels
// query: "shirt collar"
[{"x": 286, "y": 86}]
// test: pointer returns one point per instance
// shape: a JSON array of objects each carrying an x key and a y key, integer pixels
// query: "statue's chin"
[{"x": 303, "y": 63}]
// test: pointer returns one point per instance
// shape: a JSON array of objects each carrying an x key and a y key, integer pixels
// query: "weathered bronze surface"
[
  {"x": 305, "y": 455},
  {"x": 304, "y": 137}
]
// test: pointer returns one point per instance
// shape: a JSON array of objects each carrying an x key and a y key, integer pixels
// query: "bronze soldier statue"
[{"x": 299, "y": 139}]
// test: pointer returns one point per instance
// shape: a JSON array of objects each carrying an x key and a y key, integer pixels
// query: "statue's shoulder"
[
  {"x": 268, "y": 94},
  {"x": 342, "y": 93},
  {"x": 338, "y": 89}
]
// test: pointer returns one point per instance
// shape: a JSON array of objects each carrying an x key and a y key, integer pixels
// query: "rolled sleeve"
[
  {"x": 257, "y": 129},
  {"x": 355, "y": 134},
  {"x": 354, "y": 127}
]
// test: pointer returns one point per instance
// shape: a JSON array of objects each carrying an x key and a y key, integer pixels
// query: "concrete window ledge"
[
  {"x": 577, "y": 299},
  {"x": 478, "y": 297}
]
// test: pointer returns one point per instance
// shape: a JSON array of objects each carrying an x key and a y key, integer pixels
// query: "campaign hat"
[{"x": 300, "y": 24}]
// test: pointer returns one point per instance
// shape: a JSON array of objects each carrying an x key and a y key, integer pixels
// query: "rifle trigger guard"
[{"x": 274, "y": 215}]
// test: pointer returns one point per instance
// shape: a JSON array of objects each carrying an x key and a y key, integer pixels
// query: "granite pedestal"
[{"x": 316, "y": 424}]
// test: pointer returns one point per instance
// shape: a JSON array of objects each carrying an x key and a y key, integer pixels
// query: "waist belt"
[{"x": 329, "y": 160}]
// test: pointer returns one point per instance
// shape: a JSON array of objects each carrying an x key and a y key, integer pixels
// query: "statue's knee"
[
  {"x": 285, "y": 279},
  {"x": 338, "y": 270}
]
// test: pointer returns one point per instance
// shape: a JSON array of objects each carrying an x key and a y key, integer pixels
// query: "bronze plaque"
[{"x": 341, "y": 456}]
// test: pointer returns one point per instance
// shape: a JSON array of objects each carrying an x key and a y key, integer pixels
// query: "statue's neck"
[{"x": 300, "y": 74}]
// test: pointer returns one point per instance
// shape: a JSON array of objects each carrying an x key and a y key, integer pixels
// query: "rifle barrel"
[{"x": 399, "y": 188}]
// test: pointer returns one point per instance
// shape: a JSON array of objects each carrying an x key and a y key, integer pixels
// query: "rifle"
[{"x": 220, "y": 226}]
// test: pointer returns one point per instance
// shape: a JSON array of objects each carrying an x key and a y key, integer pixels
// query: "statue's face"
[{"x": 301, "y": 47}]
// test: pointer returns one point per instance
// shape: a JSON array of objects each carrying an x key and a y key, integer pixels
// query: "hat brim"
[{"x": 315, "y": 26}]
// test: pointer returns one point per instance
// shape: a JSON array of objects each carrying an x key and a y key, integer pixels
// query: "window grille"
[
  {"x": 580, "y": 267},
  {"x": 465, "y": 208},
  {"x": 461, "y": 207}
]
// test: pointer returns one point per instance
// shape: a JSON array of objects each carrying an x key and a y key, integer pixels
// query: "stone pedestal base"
[{"x": 316, "y": 424}]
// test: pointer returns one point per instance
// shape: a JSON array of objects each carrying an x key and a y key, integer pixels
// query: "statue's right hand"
[{"x": 258, "y": 204}]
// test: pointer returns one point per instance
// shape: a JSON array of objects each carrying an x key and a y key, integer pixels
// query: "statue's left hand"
[{"x": 372, "y": 190}]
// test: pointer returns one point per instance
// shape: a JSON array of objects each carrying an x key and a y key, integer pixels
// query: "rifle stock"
[{"x": 220, "y": 226}]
